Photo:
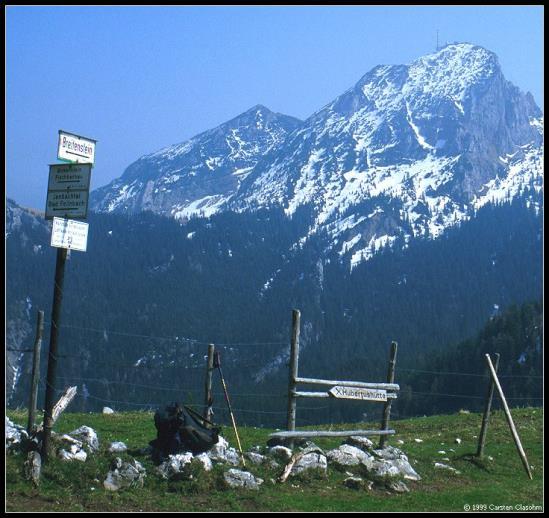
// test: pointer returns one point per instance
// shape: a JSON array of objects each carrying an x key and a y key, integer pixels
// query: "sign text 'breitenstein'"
[{"x": 75, "y": 148}]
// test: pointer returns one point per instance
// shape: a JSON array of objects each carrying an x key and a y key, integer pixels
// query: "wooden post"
[
  {"x": 509, "y": 418},
  {"x": 486, "y": 416},
  {"x": 387, "y": 405},
  {"x": 208, "y": 401},
  {"x": 52, "y": 356},
  {"x": 35, "y": 372},
  {"x": 294, "y": 360},
  {"x": 59, "y": 407}
]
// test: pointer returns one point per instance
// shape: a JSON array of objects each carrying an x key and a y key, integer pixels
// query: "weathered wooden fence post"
[
  {"x": 294, "y": 360},
  {"x": 387, "y": 405},
  {"x": 208, "y": 402},
  {"x": 35, "y": 372},
  {"x": 486, "y": 416},
  {"x": 509, "y": 418}
]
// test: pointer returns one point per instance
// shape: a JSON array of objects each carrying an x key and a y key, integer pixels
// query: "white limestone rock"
[
  {"x": 117, "y": 447},
  {"x": 88, "y": 436},
  {"x": 174, "y": 466},
  {"x": 347, "y": 455},
  {"x": 14, "y": 434},
  {"x": 124, "y": 474},
  {"x": 236, "y": 478},
  {"x": 312, "y": 460},
  {"x": 361, "y": 442}
]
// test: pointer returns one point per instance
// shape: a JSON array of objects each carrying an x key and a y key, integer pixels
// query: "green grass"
[{"x": 501, "y": 482}]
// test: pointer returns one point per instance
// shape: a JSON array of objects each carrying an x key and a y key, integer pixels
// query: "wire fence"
[{"x": 135, "y": 385}]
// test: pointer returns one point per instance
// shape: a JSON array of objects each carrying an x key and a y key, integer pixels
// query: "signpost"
[
  {"x": 68, "y": 191},
  {"x": 358, "y": 393},
  {"x": 75, "y": 148}
]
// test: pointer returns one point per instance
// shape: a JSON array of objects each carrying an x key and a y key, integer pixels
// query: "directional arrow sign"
[
  {"x": 358, "y": 393},
  {"x": 74, "y": 148},
  {"x": 69, "y": 176},
  {"x": 68, "y": 189}
]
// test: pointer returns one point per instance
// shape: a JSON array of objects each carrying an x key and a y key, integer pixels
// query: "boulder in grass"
[
  {"x": 204, "y": 461},
  {"x": 88, "y": 436},
  {"x": 399, "y": 460},
  {"x": 15, "y": 434},
  {"x": 397, "y": 486},
  {"x": 69, "y": 448},
  {"x": 174, "y": 466},
  {"x": 281, "y": 453},
  {"x": 310, "y": 461},
  {"x": 73, "y": 454},
  {"x": 221, "y": 452},
  {"x": 117, "y": 447},
  {"x": 347, "y": 455},
  {"x": 361, "y": 442},
  {"x": 235, "y": 478},
  {"x": 255, "y": 458},
  {"x": 124, "y": 474},
  {"x": 107, "y": 410},
  {"x": 380, "y": 469}
]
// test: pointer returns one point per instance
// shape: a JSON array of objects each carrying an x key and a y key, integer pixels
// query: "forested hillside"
[
  {"x": 142, "y": 304},
  {"x": 517, "y": 335}
]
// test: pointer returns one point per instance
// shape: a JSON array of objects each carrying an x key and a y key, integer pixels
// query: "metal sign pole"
[{"x": 52, "y": 356}]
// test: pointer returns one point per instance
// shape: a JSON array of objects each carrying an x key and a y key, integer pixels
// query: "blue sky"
[{"x": 137, "y": 79}]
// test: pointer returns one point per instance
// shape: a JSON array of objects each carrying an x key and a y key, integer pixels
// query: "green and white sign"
[
  {"x": 68, "y": 190},
  {"x": 75, "y": 148}
]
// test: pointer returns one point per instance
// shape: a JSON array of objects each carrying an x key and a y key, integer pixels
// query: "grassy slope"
[{"x": 503, "y": 481}]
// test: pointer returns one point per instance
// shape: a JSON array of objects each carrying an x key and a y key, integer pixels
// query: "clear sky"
[{"x": 140, "y": 78}]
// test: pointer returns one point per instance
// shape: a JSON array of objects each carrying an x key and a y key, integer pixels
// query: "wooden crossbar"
[
  {"x": 326, "y": 433},
  {"x": 299, "y": 393},
  {"x": 357, "y": 384}
]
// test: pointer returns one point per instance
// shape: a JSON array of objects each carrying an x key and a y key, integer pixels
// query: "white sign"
[
  {"x": 358, "y": 393},
  {"x": 70, "y": 234},
  {"x": 74, "y": 148}
]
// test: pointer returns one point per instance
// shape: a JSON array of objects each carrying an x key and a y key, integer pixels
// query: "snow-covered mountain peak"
[
  {"x": 199, "y": 175},
  {"x": 409, "y": 150}
]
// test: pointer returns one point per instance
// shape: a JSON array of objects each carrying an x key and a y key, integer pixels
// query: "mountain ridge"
[{"x": 408, "y": 151}]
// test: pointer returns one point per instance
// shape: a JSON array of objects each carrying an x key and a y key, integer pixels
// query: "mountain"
[
  {"x": 409, "y": 151},
  {"x": 215, "y": 241},
  {"x": 199, "y": 175}
]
